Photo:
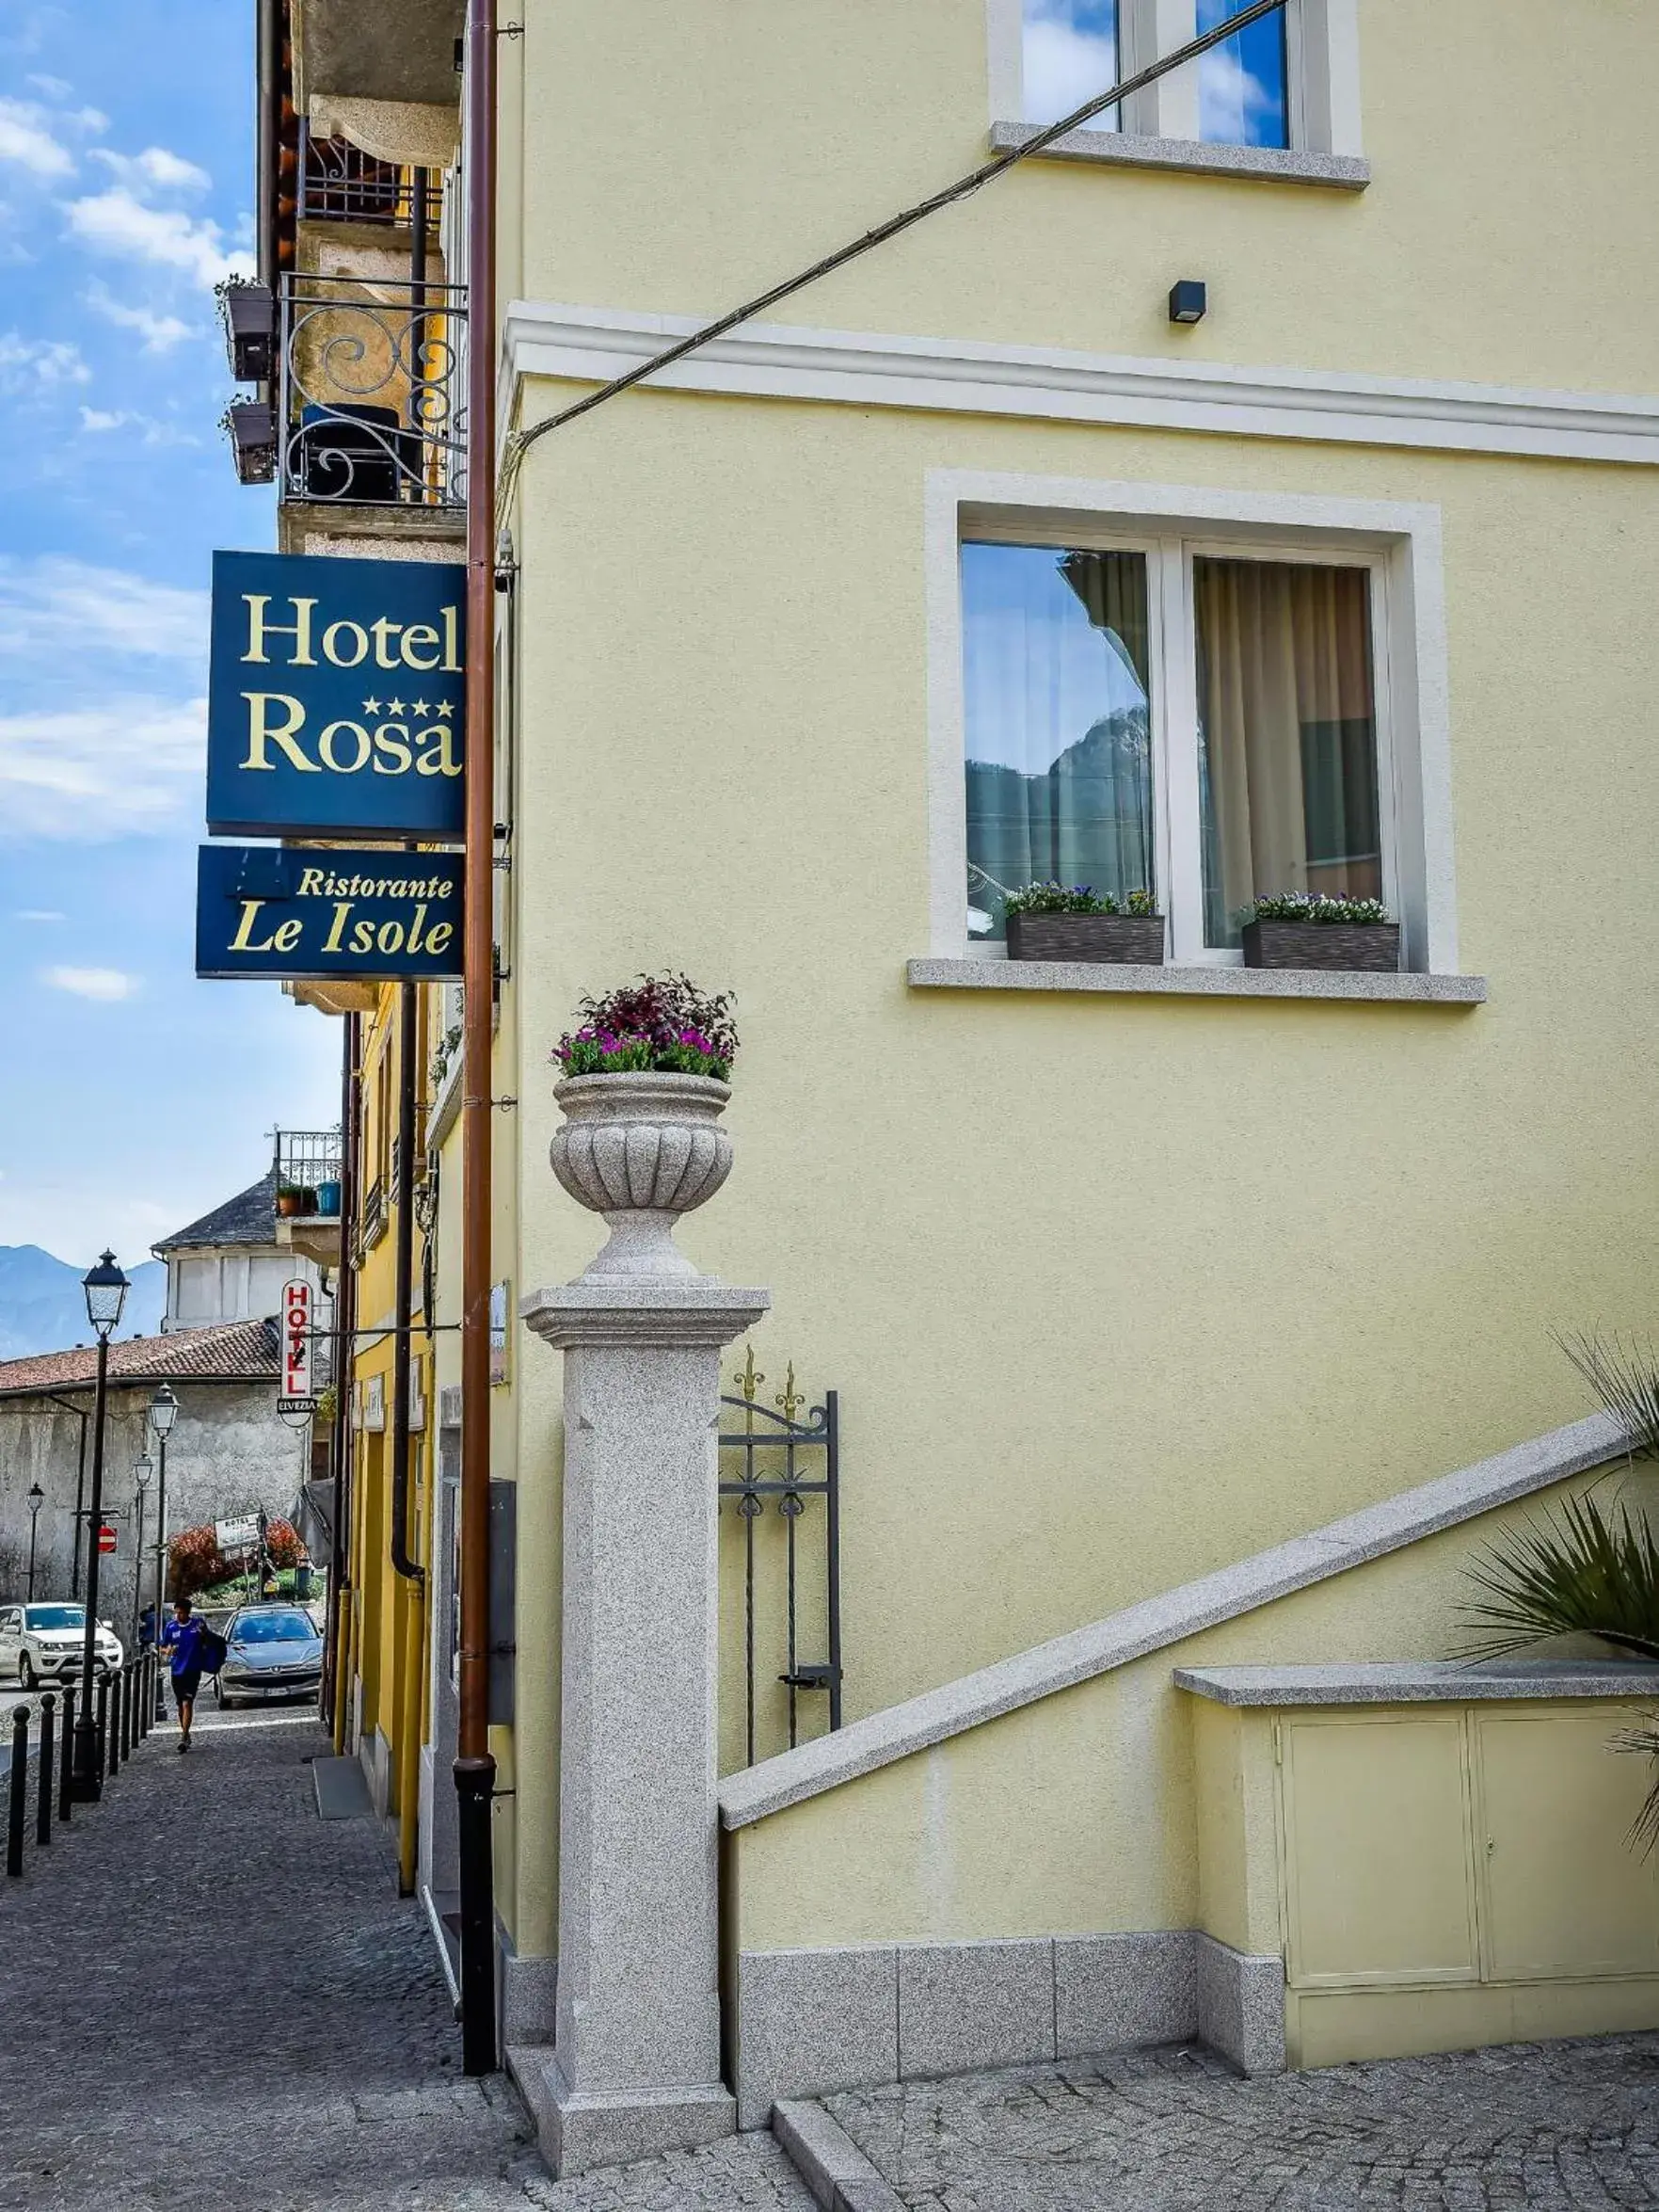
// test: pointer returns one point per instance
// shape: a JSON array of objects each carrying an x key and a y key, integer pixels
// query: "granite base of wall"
[{"x": 812, "y": 2022}]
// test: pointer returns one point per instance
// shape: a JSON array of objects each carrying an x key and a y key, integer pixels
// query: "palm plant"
[{"x": 1586, "y": 1567}]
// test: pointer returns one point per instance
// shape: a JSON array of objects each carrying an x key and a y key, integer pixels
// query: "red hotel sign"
[{"x": 296, "y": 1385}]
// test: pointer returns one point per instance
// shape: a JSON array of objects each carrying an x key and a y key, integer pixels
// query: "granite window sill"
[
  {"x": 1270, "y": 165},
  {"x": 1196, "y": 983}
]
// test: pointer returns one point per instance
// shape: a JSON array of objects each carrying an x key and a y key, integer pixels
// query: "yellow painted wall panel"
[
  {"x": 681, "y": 159},
  {"x": 1564, "y": 1891},
  {"x": 1379, "y": 1880},
  {"x": 1328, "y": 2027}
]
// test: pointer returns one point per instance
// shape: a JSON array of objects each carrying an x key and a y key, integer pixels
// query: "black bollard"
[
  {"x": 126, "y": 1709},
  {"x": 145, "y": 1700},
  {"x": 17, "y": 1783},
  {"x": 102, "y": 1727},
  {"x": 161, "y": 1698},
  {"x": 113, "y": 1738},
  {"x": 46, "y": 1780},
  {"x": 66, "y": 1764}
]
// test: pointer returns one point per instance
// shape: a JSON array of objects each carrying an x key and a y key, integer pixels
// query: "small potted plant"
[
  {"x": 288, "y": 1201},
  {"x": 1052, "y": 921},
  {"x": 645, "y": 1080},
  {"x": 1304, "y": 929}
]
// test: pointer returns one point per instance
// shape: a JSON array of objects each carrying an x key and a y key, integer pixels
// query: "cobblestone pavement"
[
  {"x": 210, "y": 1999},
  {"x": 1564, "y": 2125}
]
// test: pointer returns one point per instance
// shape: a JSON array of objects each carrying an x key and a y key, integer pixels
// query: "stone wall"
[{"x": 229, "y": 1453}]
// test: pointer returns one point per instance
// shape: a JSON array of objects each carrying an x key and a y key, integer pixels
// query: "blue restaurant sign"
[
  {"x": 336, "y": 697},
  {"x": 313, "y": 913}
]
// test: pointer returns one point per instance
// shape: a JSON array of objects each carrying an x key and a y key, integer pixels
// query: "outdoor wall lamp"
[{"x": 1189, "y": 298}]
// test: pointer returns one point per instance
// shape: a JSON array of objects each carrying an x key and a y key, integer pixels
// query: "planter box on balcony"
[
  {"x": 1373, "y": 947},
  {"x": 250, "y": 332},
  {"x": 1128, "y": 938},
  {"x": 253, "y": 441}
]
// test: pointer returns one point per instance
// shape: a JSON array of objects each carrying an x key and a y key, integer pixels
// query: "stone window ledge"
[
  {"x": 1271, "y": 165},
  {"x": 1195, "y": 983}
]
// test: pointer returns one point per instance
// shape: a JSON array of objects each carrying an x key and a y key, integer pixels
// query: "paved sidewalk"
[
  {"x": 1557, "y": 2125},
  {"x": 211, "y": 2003}
]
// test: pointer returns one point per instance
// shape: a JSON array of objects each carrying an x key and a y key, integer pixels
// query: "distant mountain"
[{"x": 43, "y": 1308}]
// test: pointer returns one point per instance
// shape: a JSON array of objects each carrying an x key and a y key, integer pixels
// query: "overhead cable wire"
[{"x": 520, "y": 440}]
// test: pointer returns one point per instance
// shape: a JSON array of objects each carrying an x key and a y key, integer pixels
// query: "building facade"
[{"x": 1154, "y": 1296}]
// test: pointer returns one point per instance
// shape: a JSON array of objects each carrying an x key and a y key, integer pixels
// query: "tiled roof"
[
  {"x": 250, "y": 1218},
  {"x": 233, "y": 1351}
]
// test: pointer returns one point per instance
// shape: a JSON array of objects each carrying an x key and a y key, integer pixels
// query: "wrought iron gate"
[{"x": 767, "y": 1455}]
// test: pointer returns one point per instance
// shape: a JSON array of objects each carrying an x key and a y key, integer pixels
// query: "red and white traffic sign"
[
  {"x": 106, "y": 1536},
  {"x": 296, "y": 1342}
]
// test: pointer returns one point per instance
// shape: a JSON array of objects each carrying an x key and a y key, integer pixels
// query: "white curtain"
[{"x": 1287, "y": 734}]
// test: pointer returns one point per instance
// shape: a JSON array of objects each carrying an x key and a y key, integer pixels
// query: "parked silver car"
[
  {"x": 274, "y": 1651},
  {"x": 43, "y": 1642}
]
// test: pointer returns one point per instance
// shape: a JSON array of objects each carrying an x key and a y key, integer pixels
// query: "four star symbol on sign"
[{"x": 445, "y": 710}]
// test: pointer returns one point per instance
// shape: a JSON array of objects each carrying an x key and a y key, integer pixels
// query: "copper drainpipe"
[
  {"x": 336, "y": 1675},
  {"x": 474, "y": 1767}
]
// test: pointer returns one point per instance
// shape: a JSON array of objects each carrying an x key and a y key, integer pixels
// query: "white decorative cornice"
[{"x": 772, "y": 361}]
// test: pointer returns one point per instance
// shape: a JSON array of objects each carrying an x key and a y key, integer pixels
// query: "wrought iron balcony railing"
[
  {"x": 308, "y": 1163},
  {"x": 373, "y": 394},
  {"x": 338, "y": 183}
]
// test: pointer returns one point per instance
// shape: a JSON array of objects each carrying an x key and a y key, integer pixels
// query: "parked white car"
[{"x": 43, "y": 1643}]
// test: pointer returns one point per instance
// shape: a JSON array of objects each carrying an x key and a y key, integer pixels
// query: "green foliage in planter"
[
  {"x": 1077, "y": 898},
  {"x": 1311, "y": 907},
  {"x": 662, "y": 1025}
]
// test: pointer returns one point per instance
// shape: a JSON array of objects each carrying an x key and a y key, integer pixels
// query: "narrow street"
[{"x": 212, "y": 1999}]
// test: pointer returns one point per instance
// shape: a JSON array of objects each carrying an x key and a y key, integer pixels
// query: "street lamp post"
[
  {"x": 36, "y": 1499},
  {"x": 143, "y": 1467},
  {"x": 164, "y": 1412},
  {"x": 106, "y": 1290}
]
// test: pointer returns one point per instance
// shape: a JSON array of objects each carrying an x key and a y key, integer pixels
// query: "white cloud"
[
  {"x": 57, "y": 607},
  {"x": 122, "y": 769},
  {"x": 159, "y": 332},
  {"x": 98, "y": 419},
  {"x": 25, "y": 137},
  {"x": 155, "y": 167},
  {"x": 38, "y": 364},
  {"x": 108, "y": 986},
  {"x": 1231, "y": 102},
  {"x": 117, "y": 222},
  {"x": 39, "y": 914},
  {"x": 54, "y": 87},
  {"x": 1063, "y": 65}
]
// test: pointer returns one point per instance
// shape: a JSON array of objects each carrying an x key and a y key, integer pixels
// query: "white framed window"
[
  {"x": 1289, "y": 83},
  {"x": 1207, "y": 695}
]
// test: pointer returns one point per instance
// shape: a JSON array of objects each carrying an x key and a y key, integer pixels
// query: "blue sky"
[{"x": 132, "y": 1096}]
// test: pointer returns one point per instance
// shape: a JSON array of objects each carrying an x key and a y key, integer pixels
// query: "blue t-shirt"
[{"x": 184, "y": 1639}]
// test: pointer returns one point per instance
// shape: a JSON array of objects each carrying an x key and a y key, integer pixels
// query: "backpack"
[{"x": 214, "y": 1649}]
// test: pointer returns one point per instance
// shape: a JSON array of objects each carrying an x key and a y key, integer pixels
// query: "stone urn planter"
[{"x": 641, "y": 1151}]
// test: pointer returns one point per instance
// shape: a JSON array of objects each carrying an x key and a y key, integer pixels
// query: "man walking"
[{"x": 182, "y": 1637}]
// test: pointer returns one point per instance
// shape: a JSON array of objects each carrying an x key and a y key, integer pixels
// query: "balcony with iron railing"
[
  {"x": 367, "y": 405},
  {"x": 339, "y": 184},
  {"x": 372, "y": 400},
  {"x": 309, "y": 1189}
]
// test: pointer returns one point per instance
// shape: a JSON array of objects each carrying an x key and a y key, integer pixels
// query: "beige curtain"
[{"x": 1287, "y": 734}]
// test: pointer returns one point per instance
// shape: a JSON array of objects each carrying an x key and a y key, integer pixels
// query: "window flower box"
[
  {"x": 1130, "y": 938},
  {"x": 1302, "y": 930}
]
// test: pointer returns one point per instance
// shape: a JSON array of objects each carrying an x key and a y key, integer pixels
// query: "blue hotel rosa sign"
[
  {"x": 336, "y": 697},
  {"x": 309, "y": 913}
]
